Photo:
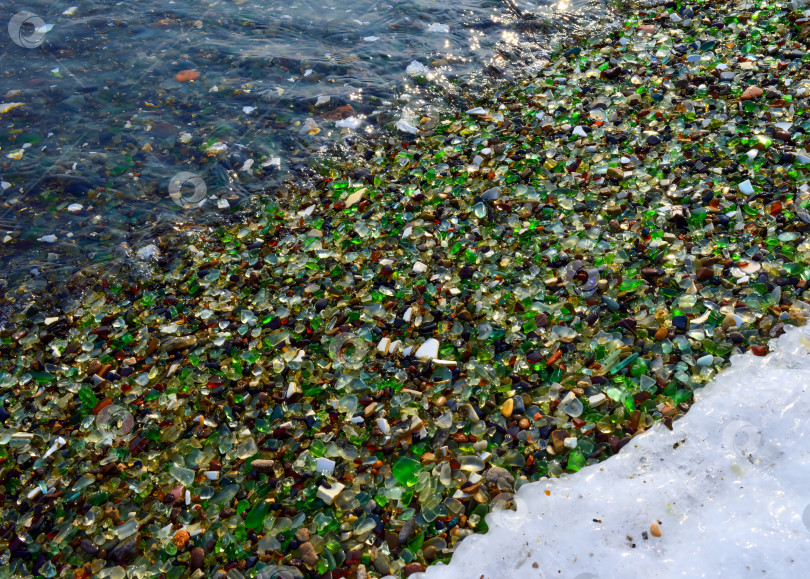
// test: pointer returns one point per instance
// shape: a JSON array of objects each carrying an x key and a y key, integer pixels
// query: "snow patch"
[{"x": 727, "y": 489}]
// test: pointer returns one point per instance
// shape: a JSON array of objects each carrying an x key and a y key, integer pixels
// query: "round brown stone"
[
  {"x": 197, "y": 558},
  {"x": 751, "y": 93},
  {"x": 180, "y": 539},
  {"x": 308, "y": 554},
  {"x": 704, "y": 274},
  {"x": 782, "y": 136}
]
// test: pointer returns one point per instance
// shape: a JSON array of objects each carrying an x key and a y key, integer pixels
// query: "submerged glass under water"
[{"x": 122, "y": 122}]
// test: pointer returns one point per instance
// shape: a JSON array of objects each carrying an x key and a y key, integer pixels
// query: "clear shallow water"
[{"x": 121, "y": 121}]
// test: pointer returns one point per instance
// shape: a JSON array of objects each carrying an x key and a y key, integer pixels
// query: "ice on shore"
[
  {"x": 416, "y": 68},
  {"x": 349, "y": 123},
  {"x": 406, "y": 127},
  {"x": 727, "y": 488}
]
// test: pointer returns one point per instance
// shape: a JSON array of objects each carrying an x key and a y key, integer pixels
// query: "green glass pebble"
[
  {"x": 87, "y": 397},
  {"x": 576, "y": 460},
  {"x": 406, "y": 498},
  {"x": 98, "y": 498},
  {"x": 624, "y": 363},
  {"x": 255, "y": 518},
  {"x": 405, "y": 470},
  {"x": 630, "y": 284}
]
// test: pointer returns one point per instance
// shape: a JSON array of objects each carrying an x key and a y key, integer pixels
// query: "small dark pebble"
[
  {"x": 197, "y": 558},
  {"x": 680, "y": 322},
  {"x": 704, "y": 274}
]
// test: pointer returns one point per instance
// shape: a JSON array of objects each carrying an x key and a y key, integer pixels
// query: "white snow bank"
[{"x": 729, "y": 488}]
